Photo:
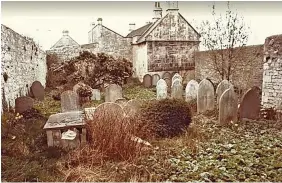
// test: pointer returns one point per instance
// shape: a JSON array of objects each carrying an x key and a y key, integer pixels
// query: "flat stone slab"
[{"x": 64, "y": 120}]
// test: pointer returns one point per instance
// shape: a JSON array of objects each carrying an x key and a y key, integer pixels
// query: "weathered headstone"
[
  {"x": 132, "y": 107},
  {"x": 166, "y": 75},
  {"x": 228, "y": 107},
  {"x": 69, "y": 101},
  {"x": 147, "y": 81},
  {"x": 96, "y": 94},
  {"x": 108, "y": 111},
  {"x": 177, "y": 89},
  {"x": 113, "y": 92},
  {"x": 23, "y": 104},
  {"x": 205, "y": 96},
  {"x": 121, "y": 101},
  {"x": 37, "y": 90},
  {"x": 222, "y": 86},
  {"x": 177, "y": 76},
  {"x": 250, "y": 105},
  {"x": 191, "y": 90},
  {"x": 155, "y": 79},
  {"x": 161, "y": 89}
]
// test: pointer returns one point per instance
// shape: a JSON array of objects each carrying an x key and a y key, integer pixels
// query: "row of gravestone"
[{"x": 149, "y": 81}]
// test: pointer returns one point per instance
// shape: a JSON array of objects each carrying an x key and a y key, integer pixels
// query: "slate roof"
[
  {"x": 66, "y": 40},
  {"x": 139, "y": 31}
]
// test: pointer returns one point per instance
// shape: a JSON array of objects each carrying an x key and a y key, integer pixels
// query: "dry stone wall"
[
  {"x": 272, "y": 73},
  {"x": 22, "y": 62}
]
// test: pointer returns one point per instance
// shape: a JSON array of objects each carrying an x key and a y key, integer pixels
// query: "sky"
[{"x": 44, "y": 21}]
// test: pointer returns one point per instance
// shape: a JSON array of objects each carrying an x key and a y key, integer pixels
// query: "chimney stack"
[
  {"x": 157, "y": 11},
  {"x": 131, "y": 27},
  {"x": 100, "y": 21},
  {"x": 172, "y": 6},
  {"x": 65, "y": 32}
]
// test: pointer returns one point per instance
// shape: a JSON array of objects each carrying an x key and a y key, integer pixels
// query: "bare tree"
[{"x": 224, "y": 37}]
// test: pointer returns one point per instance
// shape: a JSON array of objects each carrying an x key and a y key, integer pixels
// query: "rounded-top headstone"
[
  {"x": 69, "y": 101},
  {"x": 23, "y": 104},
  {"x": 191, "y": 90},
  {"x": 228, "y": 107},
  {"x": 166, "y": 75},
  {"x": 155, "y": 79},
  {"x": 250, "y": 105},
  {"x": 108, "y": 111},
  {"x": 177, "y": 76},
  {"x": 177, "y": 89},
  {"x": 161, "y": 89},
  {"x": 147, "y": 81},
  {"x": 113, "y": 92},
  {"x": 132, "y": 107},
  {"x": 121, "y": 101},
  {"x": 37, "y": 90},
  {"x": 205, "y": 96},
  {"x": 222, "y": 86}
]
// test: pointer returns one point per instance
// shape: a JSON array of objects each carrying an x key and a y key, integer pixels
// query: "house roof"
[
  {"x": 66, "y": 40},
  {"x": 139, "y": 31}
]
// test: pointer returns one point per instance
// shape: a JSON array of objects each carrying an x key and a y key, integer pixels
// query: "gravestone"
[
  {"x": 166, "y": 75},
  {"x": 222, "y": 86},
  {"x": 113, "y": 92},
  {"x": 96, "y": 94},
  {"x": 161, "y": 89},
  {"x": 155, "y": 79},
  {"x": 177, "y": 76},
  {"x": 69, "y": 101},
  {"x": 132, "y": 107},
  {"x": 168, "y": 82},
  {"x": 191, "y": 90},
  {"x": 250, "y": 105},
  {"x": 108, "y": 111},
  {"x": 177, "y": 89},
  {"x": 37, "y": 90},
  {"x": 205, "y": 96},
  {"x": 147, "y": 81},
  {"x": 228, "y": 107},
  {"x": 121, "y": 101},
  {"x": 23, "y": 104}
]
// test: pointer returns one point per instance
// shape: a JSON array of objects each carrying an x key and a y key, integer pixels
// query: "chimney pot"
[
  {"x": 131, "y": 27},
  {"x": 100, "y": 21},
  {"x": 65, "y": 32}
]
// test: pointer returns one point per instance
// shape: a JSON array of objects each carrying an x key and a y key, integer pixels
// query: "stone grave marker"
[
  {"x": 37, "y": 90},
  {"x": 177, "y": 89},
  {"x": 96, "y": 94},
  {"x": 155, "y": 79},
  {"x": 23, "y": 104},
  {"x": 69, "y": 101},
  {"x": 108, "y": 111},
  {"x": 205, "y": 96},
  {"x": 177, "y": 76},
  {"x": 191, "y": 90},
  {"x": 250, "y": 105},
  {"x": 161, "y": 89},
  {"x": 121, "y": 101},
  {"x": 222, "y": 86},
  {"x": 166, "y": 75},
  {"x": 147, "y": 81},
  {"x": 228, "y": 107},
  {"x": 113, "y": 92},
  {"x": 132, "y": 107}
]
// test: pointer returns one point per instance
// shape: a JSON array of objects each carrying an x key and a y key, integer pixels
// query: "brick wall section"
[
  {"x": 248, "y": 70},
  {"x": 22, "y": 63},
  {"x": 272, "y": 73}
]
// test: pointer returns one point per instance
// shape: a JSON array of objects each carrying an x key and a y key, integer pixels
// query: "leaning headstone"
[
  {"x": 132, "y": 107},
  {"x": 205, "y": 96},
  {"x": 155, "y": 79},
  {"x": 69, "y": 101},
  {"x": 250, "y": 105},
  {"x": 121, "y": 101},
  {"x": 113, "y": 92},
  {"x": 108, "y": 111},
  {"x": 23, "y": 104},
  {"x": 96, "y": 94},
  {"x": 177, "y": 76},
  {"x": 177, "y": 89},
  {"x": 161, "y": 89},
  {"x": 228, "y": 107},
  {"x": 191, "y": 90},
  {"x": 222, "y": 86},
  {"x": 147, "y": 81},
  {"x": 37, "y": 90}
]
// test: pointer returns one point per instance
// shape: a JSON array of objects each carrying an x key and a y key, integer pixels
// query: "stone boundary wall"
[
  {"x": 272, "y": 73},
  {"x": 22, "y": 62}
]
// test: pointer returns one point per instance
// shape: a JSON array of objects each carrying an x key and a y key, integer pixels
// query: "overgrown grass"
[{"x": 139, "y": 92}]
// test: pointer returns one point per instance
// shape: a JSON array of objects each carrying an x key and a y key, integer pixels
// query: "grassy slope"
[{"x": 246, "y": 152}]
